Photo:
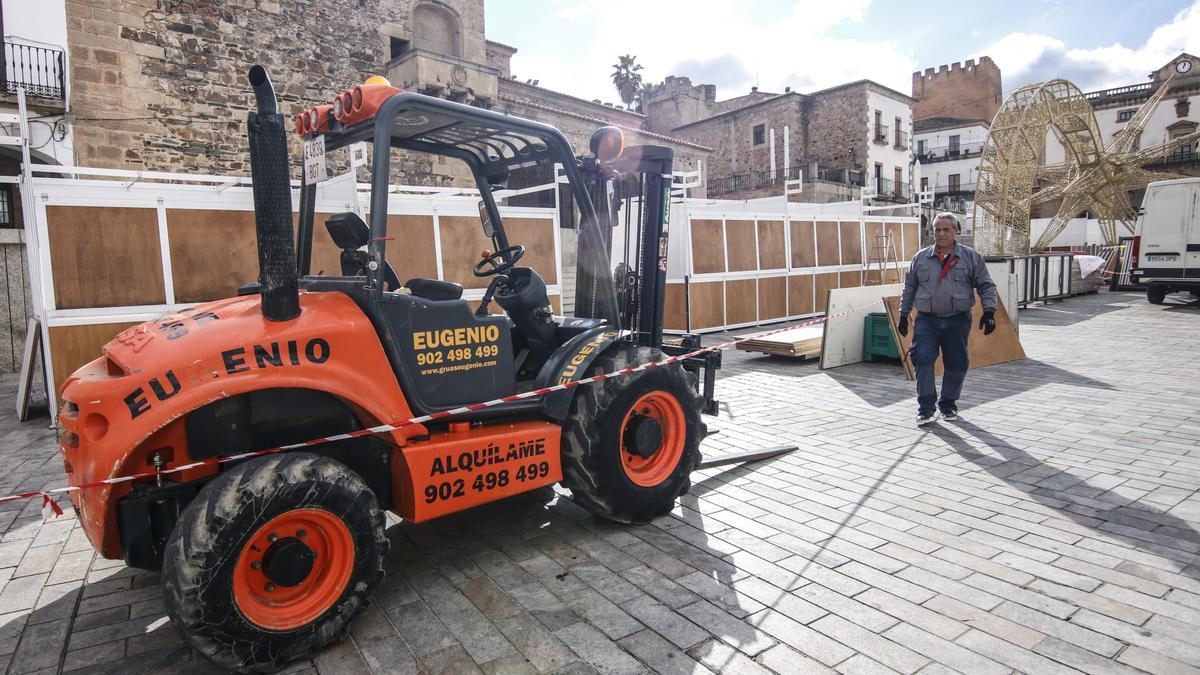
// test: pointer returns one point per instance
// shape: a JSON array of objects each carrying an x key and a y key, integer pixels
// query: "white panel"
[{"x": 842, "y": 343}]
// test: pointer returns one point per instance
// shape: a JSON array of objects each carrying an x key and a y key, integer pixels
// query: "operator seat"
[{"x": 350, "y": 234}]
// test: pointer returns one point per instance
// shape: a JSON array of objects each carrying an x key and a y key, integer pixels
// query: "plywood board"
[
  {"x": 73, "y": 346},
  {"x": 912, "y": 241},
  {"x": 803, "y": 341},
  {"x": 463, "y": 241},
  {"x": 772, "y": 298},
  {"x": 804, "y": 245},
  {"x": 30, "y": 365},
  {"x": 213, "y": 253},
  {"x": 707, "y": 304},
  {"x": 843, "y": 341},
  {"x": 822, "y": 284},
  {"x": 850, "y": 279},
  {"x": 674, "y": 306},
  {"x": 739, "y": 238},
  {"x": 771, "y": 252},
  {"x": 741, "y": 303},
  {"x": 982, "y": 350},
  {"x": 895, "y": 230},
  {"x": 105, "y": 256},
  {"x": 851, "y": 243},
  {"x": 326, "y": 258},
  {"x": 827, "y": 244},
  {"x": 873, "y": 229},
  {"x": 708, "y": 246},
  {"x": 411, "y": 249},
  {"x": 800, "y": 294}
]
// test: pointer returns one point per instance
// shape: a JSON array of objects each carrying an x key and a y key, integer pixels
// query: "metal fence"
[
  {"x": 945, "y": 153},
  {"x": 753, "y": 180},
  {"x": 40, "y": 70}
]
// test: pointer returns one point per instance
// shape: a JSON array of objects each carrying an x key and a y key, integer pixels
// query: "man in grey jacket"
[{"x": 941, "y": 285}]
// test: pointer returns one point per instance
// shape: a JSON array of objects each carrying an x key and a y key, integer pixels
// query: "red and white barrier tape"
[{"x": 50, "y": 507}]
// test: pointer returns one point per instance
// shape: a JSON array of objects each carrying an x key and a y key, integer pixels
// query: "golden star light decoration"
[{"x": 1095, "y": 177}]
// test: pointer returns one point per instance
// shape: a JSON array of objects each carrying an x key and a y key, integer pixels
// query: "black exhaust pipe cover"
[{"x": 272, "y": 203}]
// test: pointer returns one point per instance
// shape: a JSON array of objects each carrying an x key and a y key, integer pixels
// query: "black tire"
[
  {"x": 592, "y": 456},
  {"x": 208, "y": 542},
  {"x": 1156, "y": 294}
]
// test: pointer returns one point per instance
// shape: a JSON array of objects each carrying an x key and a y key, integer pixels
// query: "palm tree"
[
  {"x": 626, "y": 78},
  {"x": 639, "y": 99}
]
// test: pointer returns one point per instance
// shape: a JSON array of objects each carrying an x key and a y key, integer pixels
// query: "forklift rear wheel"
[
  {"x": 273, "y": 560},
  {"x": 632, "y": 442}
]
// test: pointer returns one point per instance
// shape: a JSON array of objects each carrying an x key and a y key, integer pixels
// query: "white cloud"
[
  {"x": 717, "y": 42},
  {"x": 1030, "y": 57}
]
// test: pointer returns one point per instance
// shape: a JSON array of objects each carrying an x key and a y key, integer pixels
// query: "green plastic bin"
[{"x": 877, "y": 337}]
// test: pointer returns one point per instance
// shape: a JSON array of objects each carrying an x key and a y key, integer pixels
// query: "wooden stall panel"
[
  {"x": 741, "y": 306},
  {"x": 463, "y": 241},
  {"x": 708, "y": 247},
  {"x": 894, "y": 229},
  {"x": 411, "y": 250},
  {"x": 708, "y": 304},
  {"x": 772, "y": 298},
  {"x": 822, "y": 283},
  {"x": 73, "y": 346},
  {"x": 105, "y": 256},
  {"x": 326, "y": 256},
  {"x": 912, "y": 240},
  {"x": 740, "y": 237},
  {"x": 213, "y": 253},
  {"x": 827, "y": 244},
  {"x": 852, "y": 244},
  {"x": 874, "y": 229},
  {"x": 850, "y": 279},
  {"x": 675, "y": 307},
  {"x": 804, "y": 246},
  {"x": 771, "y": 252},
  {"x": 800, "y": 294}
]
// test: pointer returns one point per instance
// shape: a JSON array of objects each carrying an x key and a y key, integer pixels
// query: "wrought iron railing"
[
  {"x": 1184, "y": 155},
  {"x": 902, "y": 140},
  {"x": 954, "y": 190},
  {"x": 945, "y": 153},
  {"x": 40, "y": 70},
  {"x": 890, "y": 190},
  {"x": 753, "y": 180},
  {"x": 881, "y": 134}
]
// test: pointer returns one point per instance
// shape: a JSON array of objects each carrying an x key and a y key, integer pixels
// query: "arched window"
[{"x": 436, "y": 29}]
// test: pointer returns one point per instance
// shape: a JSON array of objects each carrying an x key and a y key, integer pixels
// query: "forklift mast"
[{"x": 639, "y": 180}]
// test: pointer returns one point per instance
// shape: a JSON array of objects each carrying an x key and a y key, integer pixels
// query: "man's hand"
[
  {"x": 988, "y": 321},
  {"x": 902, "y": 327}
]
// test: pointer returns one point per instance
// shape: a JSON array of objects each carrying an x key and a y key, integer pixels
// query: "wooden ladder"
[{"x": 882, "y": 254}]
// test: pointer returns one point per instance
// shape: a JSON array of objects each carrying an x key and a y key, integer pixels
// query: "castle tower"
[{"x": 967, "y": 91}]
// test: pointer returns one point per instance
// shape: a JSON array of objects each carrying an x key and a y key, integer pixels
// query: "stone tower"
[{"x": 966, "y": 91}]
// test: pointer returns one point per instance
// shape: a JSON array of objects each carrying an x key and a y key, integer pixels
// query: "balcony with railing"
[
  {"x": 1118, "y": 93},
  {"x": 946, "y": 153},
  {"x": 1177, "y": 158},
  {"x": 903, "y": 141},
  {"x": 892, "y": 191},
  {"x": 881, "y": 134},
  {"x": 752, "y": 180},
  {"x": 41, "y": 71}
]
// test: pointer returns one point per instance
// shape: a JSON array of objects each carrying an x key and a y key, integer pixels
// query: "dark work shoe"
[
  {"x": 949, "y": 412},
  {"x": 926, "y": 418}
]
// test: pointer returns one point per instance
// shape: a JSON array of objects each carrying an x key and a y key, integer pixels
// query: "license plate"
[
  {"x": 314, "y": 160},
  {"x": 1168, "y": 257}
]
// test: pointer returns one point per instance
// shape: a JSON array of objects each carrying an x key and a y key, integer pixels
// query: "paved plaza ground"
[{"x": 1054, "y": 528}]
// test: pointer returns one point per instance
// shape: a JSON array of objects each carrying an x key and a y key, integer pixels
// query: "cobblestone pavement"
[{"x": 1053, "y": 529}]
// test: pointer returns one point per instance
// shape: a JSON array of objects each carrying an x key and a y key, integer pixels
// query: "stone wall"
[
  {"x": 731, "y": 136},
  {"x": 968, "y": 90},
  {"x": 161, "y": 84},
  {"x": 836, "y": 120}
]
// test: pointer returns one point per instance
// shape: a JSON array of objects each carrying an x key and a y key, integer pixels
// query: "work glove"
[
  {"x": 902, "y": 327},
  {"x": 988, "y": 321}
]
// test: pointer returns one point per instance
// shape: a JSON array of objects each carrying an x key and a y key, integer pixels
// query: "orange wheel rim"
[
  {"x": 652, "y": 466},
  {"x": 293, "y": 569}
]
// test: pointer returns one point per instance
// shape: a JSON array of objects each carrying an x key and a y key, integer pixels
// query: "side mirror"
[{"x": 486, "y": 219}]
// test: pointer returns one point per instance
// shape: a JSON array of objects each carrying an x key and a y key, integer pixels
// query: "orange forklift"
[{"x": 267, "y": 559}]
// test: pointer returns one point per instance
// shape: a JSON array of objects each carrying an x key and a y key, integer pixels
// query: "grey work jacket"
[{"x": 932, "y": 292}]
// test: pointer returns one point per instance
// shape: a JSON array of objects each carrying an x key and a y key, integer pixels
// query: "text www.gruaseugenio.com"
[{"x": 442, "y": 370}]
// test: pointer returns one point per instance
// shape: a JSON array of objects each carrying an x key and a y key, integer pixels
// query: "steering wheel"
[{"x": 500, "y": 261}]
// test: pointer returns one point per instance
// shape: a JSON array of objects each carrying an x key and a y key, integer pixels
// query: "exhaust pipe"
[{"x": 272, "y": 203}]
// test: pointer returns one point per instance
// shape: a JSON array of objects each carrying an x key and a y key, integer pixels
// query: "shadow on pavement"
[{"x": 1129, "y": 521}]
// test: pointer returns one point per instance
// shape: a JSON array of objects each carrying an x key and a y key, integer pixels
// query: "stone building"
[
  {"x": 838, "y": 138},
  {"x": 161, "y": 83},
  {"x": 967, "y": 90}
]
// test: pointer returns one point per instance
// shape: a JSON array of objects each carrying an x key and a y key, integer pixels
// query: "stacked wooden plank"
[{"x": 801, "y": 342}]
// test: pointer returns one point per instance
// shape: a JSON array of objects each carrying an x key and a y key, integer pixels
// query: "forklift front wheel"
[
  {"x": 273, "y": 560},
  {"x": 630, "y": 443}
]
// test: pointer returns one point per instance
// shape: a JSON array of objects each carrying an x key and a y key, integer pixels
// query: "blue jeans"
[{"x": 949, "y": 335}]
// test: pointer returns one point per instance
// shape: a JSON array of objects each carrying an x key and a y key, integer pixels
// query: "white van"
[{"x": 1167, "y": 245}]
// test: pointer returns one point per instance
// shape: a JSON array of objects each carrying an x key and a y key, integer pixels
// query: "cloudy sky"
[{"x": 570, "y": 45}]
